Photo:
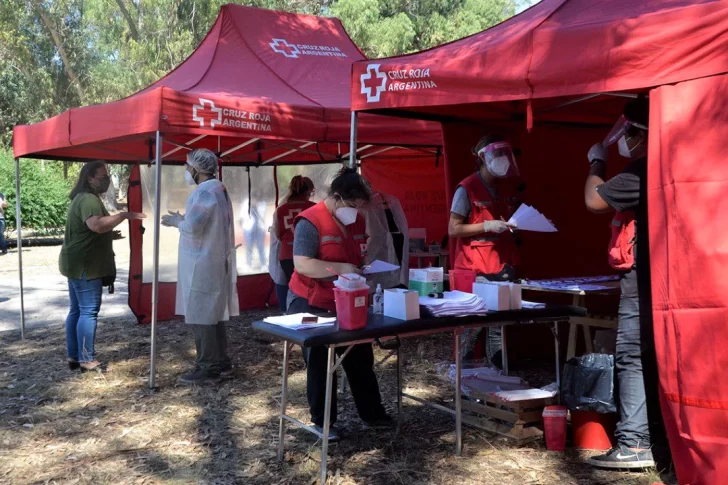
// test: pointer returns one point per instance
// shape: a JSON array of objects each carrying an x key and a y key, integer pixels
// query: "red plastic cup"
[
  {"x": 351, "y": 308},
  {"x": 593, "y": 431},
  {"x": 462, "y": 280},
  {"x": 554, "y": 427}
]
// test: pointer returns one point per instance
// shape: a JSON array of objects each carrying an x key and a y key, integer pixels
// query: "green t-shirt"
[{"x": 84, "y": 251}]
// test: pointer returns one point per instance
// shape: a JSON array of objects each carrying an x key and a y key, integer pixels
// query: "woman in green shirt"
[{"x": 87, "y": 258}]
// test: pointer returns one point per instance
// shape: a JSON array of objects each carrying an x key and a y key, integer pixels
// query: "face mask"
[
  {"x": 346, "y": 215},
  {"x": 189, "y": 179},
  {"x": 625, "y": 151},
  {"x": 498, "y": 167}
]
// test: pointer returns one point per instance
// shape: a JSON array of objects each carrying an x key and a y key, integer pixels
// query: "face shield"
[
  {"x": 499, "y": 160},
  {"x": 620, "y": 129}
]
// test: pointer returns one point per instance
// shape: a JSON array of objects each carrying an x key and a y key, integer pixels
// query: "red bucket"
[
  {"x": 351, "y": 308},
  {"x": 593, "y": 431},
  {"x": 554, "y": 427},
  {"x": 462, "y": 280}
]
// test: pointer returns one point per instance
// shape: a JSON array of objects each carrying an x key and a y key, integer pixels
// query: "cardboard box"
[
  {"x": 426, "y": 280},
  {"x": 516, "y": 298},
  {"x": 402, "y": 304},
  {"x": 497, "y": 297}
]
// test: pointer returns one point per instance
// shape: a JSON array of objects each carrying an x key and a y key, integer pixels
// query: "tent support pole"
[
  {"x": 352, "y": 140},
  {"x": 18, "y": 230},
  {"x": 155, "y": 264}
]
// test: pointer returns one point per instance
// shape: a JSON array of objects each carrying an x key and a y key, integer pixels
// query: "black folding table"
[{"x": 381, "y": 327}]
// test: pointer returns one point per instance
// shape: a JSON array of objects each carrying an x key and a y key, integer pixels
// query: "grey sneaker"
[
  {"x": 199, "y": 377},
  {"x": 624, "y": 458},
  {"x": 334, "y": 435}
]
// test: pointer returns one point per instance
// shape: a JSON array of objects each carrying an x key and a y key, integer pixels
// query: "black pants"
[
  {"x": 211, "y": 346},
  {"x": 287, "y": 266},
  {"x": 359, "y": 368}
]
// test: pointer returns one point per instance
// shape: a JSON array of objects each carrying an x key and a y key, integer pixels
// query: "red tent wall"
[
  {"x": 419, "y": 186},
  {"x": 553, "y": 165},
  {"x": 687, "y": 183}
]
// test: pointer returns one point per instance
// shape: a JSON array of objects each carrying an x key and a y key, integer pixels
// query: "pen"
[{"x": 509, "y": 227}]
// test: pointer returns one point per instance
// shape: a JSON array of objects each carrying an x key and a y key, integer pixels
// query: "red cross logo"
[
  {"x": 282, "y": 47},
  {"x": 373, "y": 90},
  {"x": 288, "y": 220},
  {"x": 206, "y": 110}
]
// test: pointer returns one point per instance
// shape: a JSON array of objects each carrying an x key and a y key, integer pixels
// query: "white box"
[
  {"x": 497, "y": 297},
  {"x": 427, "y": 275},
  {"x": 516, "y": 299},
  {"x": 402, "y": 304}
]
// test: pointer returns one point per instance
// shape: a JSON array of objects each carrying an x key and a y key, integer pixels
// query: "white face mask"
[
  {"x": 346, "y": 215},
  {"x": 189, "y": 179},
  {"x": 498, "y": 167},
  {"x": 624, "y": 149}
]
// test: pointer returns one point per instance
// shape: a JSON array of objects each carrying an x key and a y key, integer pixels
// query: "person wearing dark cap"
[
  {"x": 625, "y": 194},
  {"x": 481, "y": 207}
]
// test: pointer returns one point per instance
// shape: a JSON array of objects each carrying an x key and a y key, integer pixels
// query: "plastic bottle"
[{"x": 378, "y": 300}]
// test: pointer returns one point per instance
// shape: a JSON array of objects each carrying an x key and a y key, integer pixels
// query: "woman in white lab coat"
[
  {"x": 388, "y": 239},
  {"x": 206, "y": 271}
]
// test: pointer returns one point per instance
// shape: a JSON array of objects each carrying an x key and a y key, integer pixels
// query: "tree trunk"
[
  {"x": 132, "y": 27},
  {"x": 58, "y": 42}
]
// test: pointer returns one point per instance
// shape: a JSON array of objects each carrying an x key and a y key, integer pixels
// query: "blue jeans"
[
  {"x": 633, "y": 426},
  {"x": 3, "y": 242},
  {"x": 85, "y": 298}
]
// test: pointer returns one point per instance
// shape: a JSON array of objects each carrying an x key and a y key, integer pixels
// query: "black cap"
[{"x": 638, "y": 110}]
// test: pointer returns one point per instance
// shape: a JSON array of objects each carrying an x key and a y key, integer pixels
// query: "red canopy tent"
[
  {"x": 553, "y": 79},
  {"x": 264, "y": 88}
]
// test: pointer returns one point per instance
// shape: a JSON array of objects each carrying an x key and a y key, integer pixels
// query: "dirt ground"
[{"x": 61, "y": 427}]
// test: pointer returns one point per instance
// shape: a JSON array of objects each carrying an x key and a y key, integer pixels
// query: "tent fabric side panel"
[
  {"x": 687, "y": 183},
  {"x": 134, "y": 202},
  {"x": 140, "y": 294},
  {"x": 553, "y": 164},
  {"x": 419, "y": 185}
]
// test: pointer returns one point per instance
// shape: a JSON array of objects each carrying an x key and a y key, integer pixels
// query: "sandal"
[{"x": 73, "y": 364}]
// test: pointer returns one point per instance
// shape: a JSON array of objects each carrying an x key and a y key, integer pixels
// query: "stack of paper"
[
  {"x": 526, "y": 218},
  {"x": 294, "y": 322},
  {"x": 453, "y": 303}
]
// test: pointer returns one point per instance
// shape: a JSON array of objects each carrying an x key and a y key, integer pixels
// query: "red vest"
[
  {"x": 621, "y": 246},
  {"x": 489, "y": 252},
  {"x": 334, "y": 247},
  {"x": 285, "y": 215}
]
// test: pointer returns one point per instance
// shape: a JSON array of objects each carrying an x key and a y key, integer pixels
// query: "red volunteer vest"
[
  {"x": 621, "y": 246},
  {"x": 334, "y": 246},
  {"x": 486, "y": 253},
  {"x": 285, "y": 215}
]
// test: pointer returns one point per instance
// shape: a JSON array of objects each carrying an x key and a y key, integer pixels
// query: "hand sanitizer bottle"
[{"x": 378, "y": 300}]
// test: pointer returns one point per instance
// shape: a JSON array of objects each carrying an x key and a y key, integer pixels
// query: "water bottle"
[{"x": 379, "y": 300}]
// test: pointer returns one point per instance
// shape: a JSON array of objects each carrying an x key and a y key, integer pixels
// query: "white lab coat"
[
  {"x": 206, "y": 270},
  {"x": 380, "y": 245}
]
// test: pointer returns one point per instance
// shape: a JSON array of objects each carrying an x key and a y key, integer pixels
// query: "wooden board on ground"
[{"x": 517, "y": 420}]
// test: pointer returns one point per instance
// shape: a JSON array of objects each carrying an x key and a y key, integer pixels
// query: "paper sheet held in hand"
[
  {"x": 526, "y": 218},
  {"x": 379, "y": 266}
]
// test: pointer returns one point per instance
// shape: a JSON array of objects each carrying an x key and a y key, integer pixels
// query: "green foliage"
[{"x": 43, "y": 193}]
